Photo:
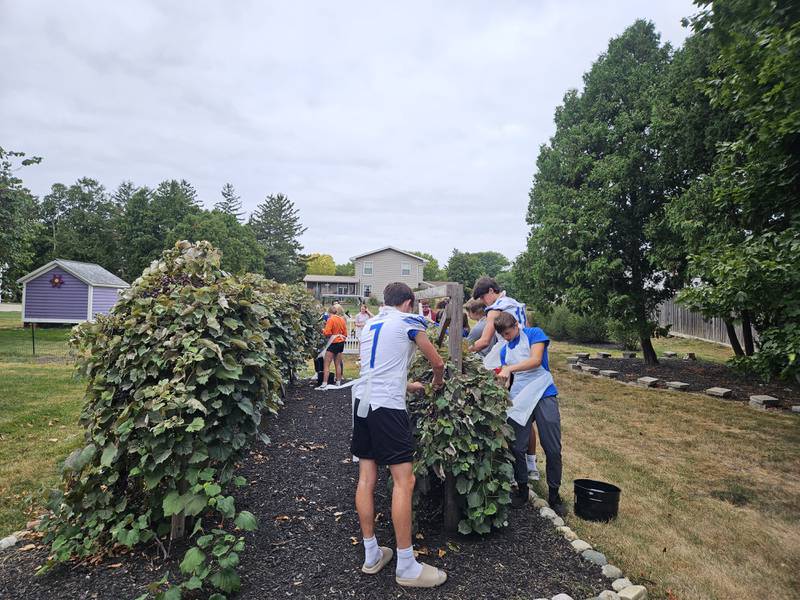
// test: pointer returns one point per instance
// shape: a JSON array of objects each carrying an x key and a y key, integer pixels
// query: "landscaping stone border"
[
  {"x": 621, "y": 587},
  {"x": 757, "y": 401}
]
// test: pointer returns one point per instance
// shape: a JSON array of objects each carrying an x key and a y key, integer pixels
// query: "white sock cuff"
[
  {"x": 372, "y": 541},
  {"x": 405, "y": 552}
]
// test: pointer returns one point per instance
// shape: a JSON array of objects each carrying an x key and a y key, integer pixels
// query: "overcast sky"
[{"x": 411, "y": 124}]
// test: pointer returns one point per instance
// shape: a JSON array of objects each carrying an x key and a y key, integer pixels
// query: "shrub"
[
  {"x": 562, "y": 324},
  {"x": 623, "y": 334},
  {"x": 586, "y": 329},
  {"x": 462, "y": 431},
  {"x": 179, "y": 374}
]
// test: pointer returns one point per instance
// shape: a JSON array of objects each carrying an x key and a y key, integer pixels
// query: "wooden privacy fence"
[{"x": 687, "y": 323}]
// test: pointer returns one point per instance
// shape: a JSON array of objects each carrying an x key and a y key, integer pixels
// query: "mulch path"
[
  {"x": 700, "y": 376},
  {"x": 308, "y": 542}
]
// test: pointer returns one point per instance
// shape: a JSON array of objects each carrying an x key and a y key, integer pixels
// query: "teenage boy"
[
  {"x": 382, "y": 430},
  {"x": 496, "y": 302},
  {"x": 336, "y": 330},
  {"x": 534, "y": 397}
]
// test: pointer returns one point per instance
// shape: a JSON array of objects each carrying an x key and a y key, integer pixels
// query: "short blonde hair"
[{"x": 333, "y": 310}]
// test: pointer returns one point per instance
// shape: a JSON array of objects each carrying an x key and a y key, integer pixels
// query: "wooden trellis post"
[
  {"x": 454, "y": 314},
  {"x": 452, "y": 322}
]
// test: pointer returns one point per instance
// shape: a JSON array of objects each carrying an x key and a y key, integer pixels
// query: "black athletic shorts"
[
  {"x": 384, "y": 436},
  {"x": 336, "y": 348}
]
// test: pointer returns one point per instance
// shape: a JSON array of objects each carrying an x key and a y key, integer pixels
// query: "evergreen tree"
[
  {"x": 277, "y": 227},
  {"x": 230, "y": 204}
]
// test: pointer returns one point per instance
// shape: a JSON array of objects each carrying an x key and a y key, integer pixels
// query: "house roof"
[
  {"x": 89, "y": 273},
  {"x": 330, "y": 279},
  {"x": 424, "y": 260}
]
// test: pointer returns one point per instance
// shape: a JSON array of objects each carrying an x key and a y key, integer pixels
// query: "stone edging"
[
  {"x": 759, "y": 402},
  {"x": 621, "y": 587},
  {"x": 16, "y": 537}
]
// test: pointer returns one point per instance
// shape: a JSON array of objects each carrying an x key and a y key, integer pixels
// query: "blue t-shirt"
[{"x": 533, "y": 335}]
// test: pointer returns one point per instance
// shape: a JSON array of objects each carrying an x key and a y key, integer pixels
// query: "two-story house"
[
  {"x": 378, "y": 268},
  {"x": 373, "y": 271}
]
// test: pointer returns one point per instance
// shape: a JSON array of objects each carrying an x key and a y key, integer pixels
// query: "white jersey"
[
  {"x": 506, "y": 304},
  {"x": 387, "y": 346}
]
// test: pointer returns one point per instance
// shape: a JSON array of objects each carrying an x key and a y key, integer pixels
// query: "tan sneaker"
[{"x": 386, "y": 556}]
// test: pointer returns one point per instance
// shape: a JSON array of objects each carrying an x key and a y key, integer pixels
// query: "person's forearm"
[
  {"x": 438, "y": 373},
  {"x": 526, "y": 365},
  {"x": 479, "y": 345}
]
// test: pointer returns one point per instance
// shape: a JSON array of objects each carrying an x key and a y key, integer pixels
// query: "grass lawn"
[
  {"x": 710, "y": 504},
  {"x": 39, "y": 408},
  {"x": 15, "y": 342}
]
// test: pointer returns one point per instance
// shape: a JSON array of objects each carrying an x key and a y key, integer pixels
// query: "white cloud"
[{"x": 405, "y": 124}]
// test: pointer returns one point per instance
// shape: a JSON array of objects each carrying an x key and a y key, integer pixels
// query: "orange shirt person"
[{"x": 336, "y": 329}]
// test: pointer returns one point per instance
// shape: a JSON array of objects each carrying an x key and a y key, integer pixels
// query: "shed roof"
[
  {"x": 89, "y": 273},
  {"x": 390, "y": 248},
  {"x": 330, "y": 279}
]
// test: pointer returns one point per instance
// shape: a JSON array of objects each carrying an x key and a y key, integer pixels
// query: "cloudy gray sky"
[{"x": 412, "y": 124}]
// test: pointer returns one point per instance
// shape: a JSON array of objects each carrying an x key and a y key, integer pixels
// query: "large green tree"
[
  {"x": 79, "y": 224},
  {"x": 464, "y": 268},
  {"x": 18, "y": 225},
  {"x": 241, "y": 252},
  {"x": 231, "y": 203},
  {"x": 347, "y": 269},
  {"x": 276, "y": 223},
  {"x": 492, "y": 263},
  {"x": 146, "y": 219},
  {"x": 689, "y": 129},
  {"x": 320, "y": 264},
  {"x": 755, "y": 181},
  {"x": 597, "y": 203},
  {"x": 431, "y": 271}
]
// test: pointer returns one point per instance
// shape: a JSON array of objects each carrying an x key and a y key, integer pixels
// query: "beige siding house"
[{"x": 376, "y": 269}]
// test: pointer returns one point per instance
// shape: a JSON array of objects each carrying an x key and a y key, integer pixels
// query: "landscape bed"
[
  {"x": 308, "y": 544},
  {"x": 700, "y": 375}
]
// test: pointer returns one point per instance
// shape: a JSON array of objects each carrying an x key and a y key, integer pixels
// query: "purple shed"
[{"x": 68, "y": 291}]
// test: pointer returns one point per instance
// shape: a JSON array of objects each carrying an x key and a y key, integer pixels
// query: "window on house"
[
  {"x": 367, "y": 290},
  {"x": 368, "y": 267},
  {"x": 405, "y": 269}
]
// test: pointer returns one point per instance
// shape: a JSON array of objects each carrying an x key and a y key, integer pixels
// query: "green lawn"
[
  {"x": 39, "y": 408},
  {"x": 10, "y": 320},
  {"x": 16, "y": 342}
]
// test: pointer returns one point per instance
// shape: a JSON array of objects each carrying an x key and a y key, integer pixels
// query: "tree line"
[
  {"x": 125, "y": 230},
  {"x": 676, "y": 171}
]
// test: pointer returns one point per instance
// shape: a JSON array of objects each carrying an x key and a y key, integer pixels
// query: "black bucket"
[{"x": 596, "y": 500}]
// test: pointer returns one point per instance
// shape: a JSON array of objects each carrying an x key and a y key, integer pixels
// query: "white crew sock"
[
  {"x": 372, "y": 552},
  {"x": 531, "y": 460},
  {"x": 407, "y": 565}
]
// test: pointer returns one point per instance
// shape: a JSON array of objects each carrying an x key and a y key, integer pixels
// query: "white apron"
[{"x": 529, "y": 386}]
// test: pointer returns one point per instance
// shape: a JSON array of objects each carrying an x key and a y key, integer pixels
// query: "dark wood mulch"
[
  {"x": 308, "y": 544},
  {"x": 700, "y": 375}
]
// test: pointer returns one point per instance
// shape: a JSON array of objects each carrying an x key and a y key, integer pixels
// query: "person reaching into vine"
[
  {"x": 382, "y": 432},
  {"x": 534, "y": 397}
]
